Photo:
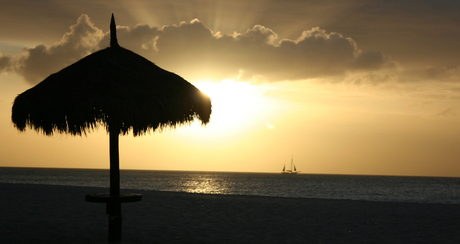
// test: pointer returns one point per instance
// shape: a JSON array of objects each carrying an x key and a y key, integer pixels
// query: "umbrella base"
[
  {"x": 114, "y": 210},
  {"x": 105, "y": 198}
]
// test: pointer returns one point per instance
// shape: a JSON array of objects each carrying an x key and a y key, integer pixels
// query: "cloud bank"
[{"x": 196, "y": 52}]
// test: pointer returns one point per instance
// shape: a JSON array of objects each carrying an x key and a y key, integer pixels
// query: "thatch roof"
[{"x": 113, "y": 87}]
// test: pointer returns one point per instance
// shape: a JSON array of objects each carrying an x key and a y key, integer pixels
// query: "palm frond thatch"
[{"x": 113, "y": 87}]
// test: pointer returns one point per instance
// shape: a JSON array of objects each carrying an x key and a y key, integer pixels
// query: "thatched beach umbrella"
[{"x": 119, "y": 90}]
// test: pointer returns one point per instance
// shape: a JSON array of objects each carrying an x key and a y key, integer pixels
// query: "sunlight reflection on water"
[{"x": 204, "y": 184}]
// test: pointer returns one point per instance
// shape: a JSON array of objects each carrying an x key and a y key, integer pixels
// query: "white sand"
[{"x": 59, "y": 214}]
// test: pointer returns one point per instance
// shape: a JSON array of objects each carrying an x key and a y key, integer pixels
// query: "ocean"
[{"x": 354, "y": 187}]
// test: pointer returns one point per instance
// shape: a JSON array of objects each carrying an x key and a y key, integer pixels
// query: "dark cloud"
[
  {"x": 372, "y": 60},
  {"x": 192, "y": 49},
  {"x": 38, "y": 62},
  {"x": 316, "y": 53},
  {"x": 432, "y": 73},
  {"x": 440, "y": 73},
  {"x": 259, "y": 53},
  {"x": 196, "y": 52},
  {"x": 4, "y": 62}
]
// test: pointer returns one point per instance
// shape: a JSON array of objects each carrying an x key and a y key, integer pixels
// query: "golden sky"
[{"x": 345, "y": 87}]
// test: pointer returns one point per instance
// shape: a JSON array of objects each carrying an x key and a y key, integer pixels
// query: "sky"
[{"x": 362, "y": 87}]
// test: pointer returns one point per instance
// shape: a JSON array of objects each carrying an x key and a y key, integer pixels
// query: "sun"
[
  {"x": 236, "y": 105},
  {"x": 232, "y": 101}
]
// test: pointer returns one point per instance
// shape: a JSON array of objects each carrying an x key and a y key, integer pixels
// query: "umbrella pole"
[
  {"x": 114, "y": 198},
  {"x": 114, "y": 205}
]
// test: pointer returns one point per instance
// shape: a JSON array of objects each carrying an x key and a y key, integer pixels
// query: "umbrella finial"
[{"x": 113, "y": 33}]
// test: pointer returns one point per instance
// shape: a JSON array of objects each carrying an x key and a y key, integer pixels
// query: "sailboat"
[{"x": 293, "y": 170}]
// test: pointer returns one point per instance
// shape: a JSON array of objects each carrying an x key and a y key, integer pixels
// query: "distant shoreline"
[{"x": 59, "y": 214}]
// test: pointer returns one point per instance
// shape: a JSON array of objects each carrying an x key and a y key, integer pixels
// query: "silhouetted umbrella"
[{"x": 118, "y": 89}]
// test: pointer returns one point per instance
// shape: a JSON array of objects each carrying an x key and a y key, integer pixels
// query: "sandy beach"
[{"x": 59, "y": 214}]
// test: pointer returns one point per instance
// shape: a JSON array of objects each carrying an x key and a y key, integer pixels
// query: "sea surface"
[{"x": 353, "y": 187}]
